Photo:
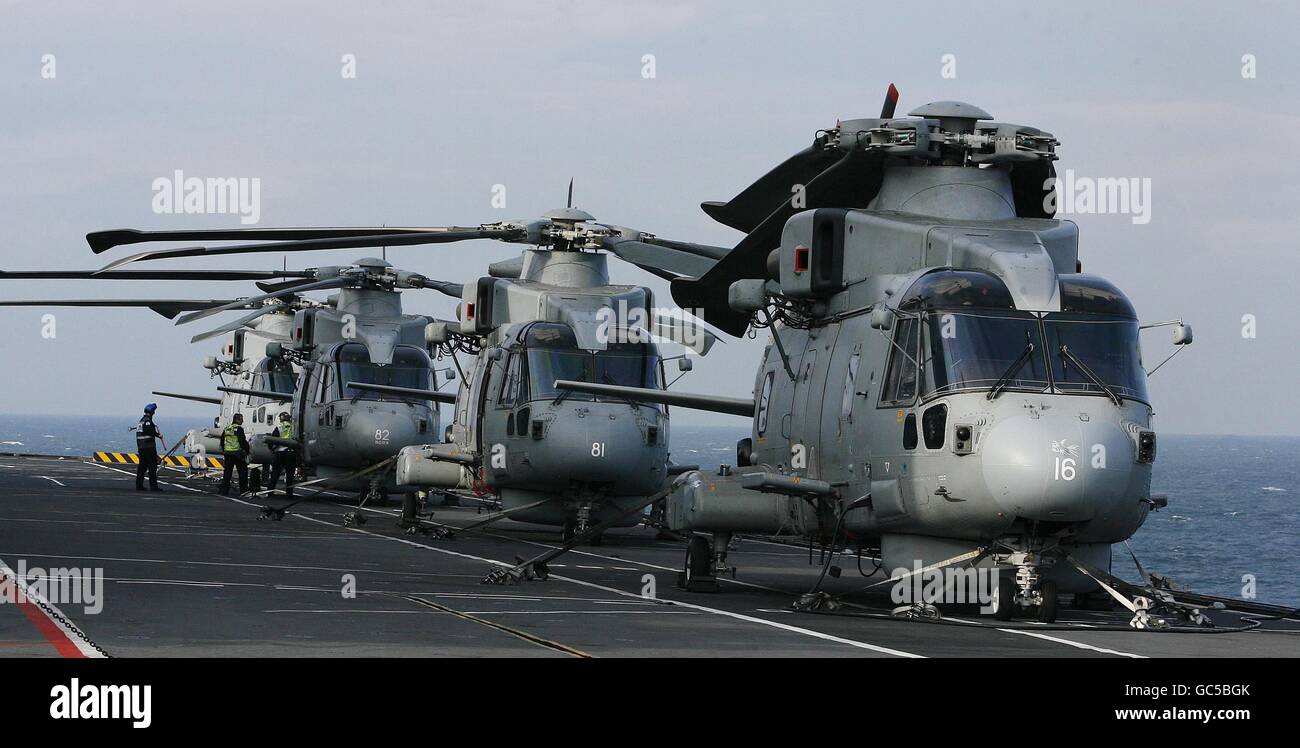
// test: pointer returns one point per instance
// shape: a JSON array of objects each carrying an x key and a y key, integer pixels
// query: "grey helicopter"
[
  {"x": 942, "y": 384},
  {"x": 570, "y": 465},
  {"x": 249, "y": 333},
  {"x": 579, "y": 462},
  {"x": 342, "y": 354}
]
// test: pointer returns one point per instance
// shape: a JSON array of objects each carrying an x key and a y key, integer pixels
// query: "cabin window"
[
  {"x": 909, "y": 432},
  {"x": 901, "y": 376},
  {"x": 323, "y": 383},
  {"x": 510, "y": 381}
]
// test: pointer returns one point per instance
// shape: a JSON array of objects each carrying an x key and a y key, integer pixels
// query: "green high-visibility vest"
[
  {"x": 286, "y": 430},
  {"x": 230, "y": 439}
]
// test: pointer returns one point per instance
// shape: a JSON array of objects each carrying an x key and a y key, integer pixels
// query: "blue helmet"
[{"x": 151, "y": 407}]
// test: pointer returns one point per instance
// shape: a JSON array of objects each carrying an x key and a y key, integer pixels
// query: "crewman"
[
  {"x": 234, "y": 451},
  {"x": 146, "y": 432},
  {"x": 286, "y": 458}
]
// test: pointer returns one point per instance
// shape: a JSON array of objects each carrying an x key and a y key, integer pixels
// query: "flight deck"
[{"x": 187, "y": 572}]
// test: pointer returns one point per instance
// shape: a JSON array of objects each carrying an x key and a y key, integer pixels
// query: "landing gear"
[
  {"x": 410, "y": 509},
  {"x": 1022, "y": 587},
  {"x": 1006, "y": 607},
  {"x": 698, "y": 575},
  {"x": 568, "y": 531},
  {"x": 1047, "y": 601},
  {"x": 706, "y": 560}
]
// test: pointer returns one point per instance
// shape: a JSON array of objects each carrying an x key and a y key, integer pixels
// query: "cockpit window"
[
  {"x": 409, "y": 368},
  {"x": 546, "y": 365},
  {"x": 1108, "y": 346},
  {"x": 975, "y": 350},
  {"x": 553, "y": 353},
  {"x": 272, "y": 375}
]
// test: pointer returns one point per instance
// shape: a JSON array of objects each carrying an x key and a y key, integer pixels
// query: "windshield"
[
  {"x": 410, "y": 368},
  {"x": 630, "y": 364},
  {"x": 973, "y": 351},
  {"x": 1106, "y": 345},
  {"x": 546, "y": 365},
  {"x": 273, "y": 376}
]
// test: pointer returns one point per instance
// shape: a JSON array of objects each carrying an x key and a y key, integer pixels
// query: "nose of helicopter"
[
  {"x": 602, "y": 443},
  {"x": 1059, "y": 467},
  {"x": 378, "y": 433}
]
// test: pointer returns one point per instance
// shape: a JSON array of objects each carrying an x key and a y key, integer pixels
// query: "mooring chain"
[{"x": 69, "y": 625}]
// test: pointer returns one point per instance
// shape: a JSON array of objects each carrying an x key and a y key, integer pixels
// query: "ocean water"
[{"x": 1233, "y": 514}]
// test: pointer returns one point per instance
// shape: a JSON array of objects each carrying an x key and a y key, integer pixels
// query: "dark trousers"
[
  {"x": 286, "y": 461},
  {"x": 232, "y": 461},
  {"x": 148, "y": 465}
]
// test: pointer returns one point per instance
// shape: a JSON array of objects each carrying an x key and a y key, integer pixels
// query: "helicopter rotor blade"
[
  {"x": 454, "y": 290},
  {"x": 755, "y": 203},
  {"x": 664, "y": 258},
  {"x": 891, "y": 102},
  {"x": 235, "y": 325},
  {"x": 102, "y": 241},
  {"x": 192, "y": 275},
  {"x": 168, "y": 308},
  {"x": 432, "y": 236},
  {"x": 245, "y": 303},
  {"x": 851, "y": 180}
]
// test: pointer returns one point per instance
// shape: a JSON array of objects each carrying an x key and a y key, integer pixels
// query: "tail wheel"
[
  {"x": 1047, "y": 609},
  {"x": 1006, "y": 598},
  {"x": 568, "y": 531},
  {"x": 410, "y": 506}
]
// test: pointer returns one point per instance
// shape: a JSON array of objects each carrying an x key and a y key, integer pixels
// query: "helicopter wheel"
[
  {"x": 698, "y": 576},
  {"x": 1006, "y": 598},
  {"x": 1047, "y": 609},
  {"x": 568, "y": 531},
  {"x": 410, "y": 508}
]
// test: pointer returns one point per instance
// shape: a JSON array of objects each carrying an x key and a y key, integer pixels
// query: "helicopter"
[
  {"x": 567, "y": 464},
  {"x": 241, "y": 357},
  {"x": 942, "y": 383},
  {"x": 257, "y": 372},
  {"x": 578, "y": 462},
  {"x": 326, "y": 364}
]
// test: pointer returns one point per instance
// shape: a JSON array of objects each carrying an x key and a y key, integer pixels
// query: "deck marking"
[
  {"x": 693, "y": 606},
  {"x": 48, "y": 478},
  {"x": 66, "y": 638},
  {"x": 524, "y": 635},
  {"x": 1079, "y": 645}
]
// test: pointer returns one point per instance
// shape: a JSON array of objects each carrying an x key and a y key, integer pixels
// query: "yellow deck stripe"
[
  {"x": 118, "y": 456},
  {"x": 103, "y": 457},
  {"x": 135, "y": 458}
]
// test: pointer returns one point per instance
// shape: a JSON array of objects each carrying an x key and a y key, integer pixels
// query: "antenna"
[{"x": 570, "y": 203}]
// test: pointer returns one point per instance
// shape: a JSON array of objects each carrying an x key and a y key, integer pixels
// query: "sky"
[{"x": 450, "y": 99}]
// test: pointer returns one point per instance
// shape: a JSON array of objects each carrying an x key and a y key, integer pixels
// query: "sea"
[{"x": 1232, "y": 526}]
